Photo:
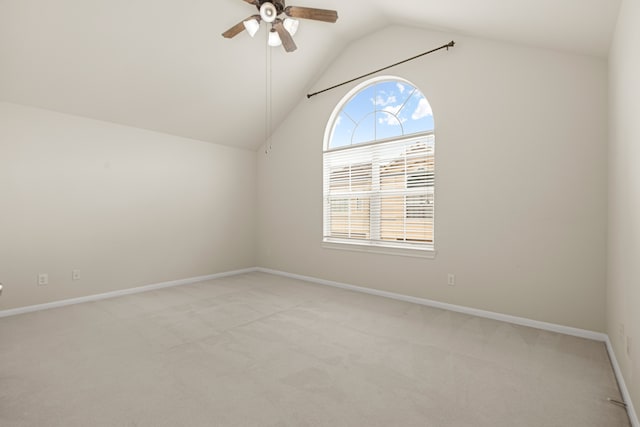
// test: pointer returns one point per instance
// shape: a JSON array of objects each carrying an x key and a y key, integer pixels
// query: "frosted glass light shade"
[
  {"x": 291, "y": 25},
  {"x": 252, "y": 26},
  {"x": 274, "y": 39}
]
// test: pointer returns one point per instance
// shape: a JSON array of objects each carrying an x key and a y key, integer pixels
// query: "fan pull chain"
[{"x": 268, "y": 99}]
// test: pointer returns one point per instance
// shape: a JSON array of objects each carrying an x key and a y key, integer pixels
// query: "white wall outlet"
[
  {"x": 43, "y": 279},
  {"x": 75, "y": 275},
  {"x": 451, "y": 279}
]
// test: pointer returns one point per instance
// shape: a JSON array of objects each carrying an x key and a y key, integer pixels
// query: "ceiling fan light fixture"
[
  {"x": 252, "y": 26},
  {"x": 283, "y": 19},
  {"x": 268, "y": 12},
  {"x": 291, "y": 25},
  {"x": 274, "y": 39}
]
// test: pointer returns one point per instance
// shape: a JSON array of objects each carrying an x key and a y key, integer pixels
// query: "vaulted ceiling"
[{"x": 163, "y": 65}]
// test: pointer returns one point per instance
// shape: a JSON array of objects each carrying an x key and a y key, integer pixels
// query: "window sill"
[{"x": 385, "y": 250}]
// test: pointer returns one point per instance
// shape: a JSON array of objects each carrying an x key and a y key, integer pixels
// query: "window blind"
[{"x": 381, "y": 193}]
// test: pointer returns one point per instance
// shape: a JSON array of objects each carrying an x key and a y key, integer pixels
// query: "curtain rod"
[{"x": 446, "y": 46}]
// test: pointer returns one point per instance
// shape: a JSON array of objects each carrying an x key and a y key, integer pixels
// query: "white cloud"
[
  {"x": 391, "y": 119},
  {"x": 338, "y": 120},
  {"x": 382, "y": 101},
  {"x": 422, "y": 110},
  {"x": 401, "y": 87},
  {"x": 392, "y": 109}
]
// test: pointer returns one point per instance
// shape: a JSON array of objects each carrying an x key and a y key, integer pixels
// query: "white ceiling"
[{"x": 163, "y": 65}]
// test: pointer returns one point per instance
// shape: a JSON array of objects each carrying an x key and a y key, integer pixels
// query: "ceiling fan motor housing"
[{"x": 278, "y": 4}]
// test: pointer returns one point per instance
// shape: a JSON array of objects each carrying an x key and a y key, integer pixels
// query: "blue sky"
[{"x": 384, "y": 110}]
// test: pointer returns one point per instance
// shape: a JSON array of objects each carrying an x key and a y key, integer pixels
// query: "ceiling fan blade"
[
  {"x": 253, "y": 2},
  {"x": 236, "y": 29},
  {"x": 240, "y": 27},
  {"x": 324, "y": 15},
  {"x": 285, "y": 37}
]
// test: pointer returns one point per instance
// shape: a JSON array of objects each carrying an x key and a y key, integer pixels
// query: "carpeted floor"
[{"x": 263, "y": 350}]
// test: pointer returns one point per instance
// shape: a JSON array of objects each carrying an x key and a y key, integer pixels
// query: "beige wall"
[
  {"x": 127, "y": 207},
  {"x": 623, "y": 296},
  {"x": 520, "y": 179}
]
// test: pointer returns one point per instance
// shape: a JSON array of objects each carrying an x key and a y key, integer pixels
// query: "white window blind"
[{"x": 381, "y": 193}]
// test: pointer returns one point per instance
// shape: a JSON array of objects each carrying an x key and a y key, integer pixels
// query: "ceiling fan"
[{"x": 283, "y": 27}]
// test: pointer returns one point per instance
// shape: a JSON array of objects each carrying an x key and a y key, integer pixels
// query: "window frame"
[{"x": 375, "y": 244}]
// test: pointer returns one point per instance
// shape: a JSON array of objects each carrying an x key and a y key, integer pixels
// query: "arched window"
[{"x": 379, "y": 167}]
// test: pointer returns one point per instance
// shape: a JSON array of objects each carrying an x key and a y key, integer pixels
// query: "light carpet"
[{"x": 263, "y": 350}]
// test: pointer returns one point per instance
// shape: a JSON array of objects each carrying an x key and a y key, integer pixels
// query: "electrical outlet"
[
  {"x": 75, "y": 275},
  {"x": 451, "y": 279},
  {"x": 43, "y": 279}
]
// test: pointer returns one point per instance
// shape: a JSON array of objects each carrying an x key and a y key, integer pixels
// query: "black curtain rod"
[{"x": 446, "y": 46}]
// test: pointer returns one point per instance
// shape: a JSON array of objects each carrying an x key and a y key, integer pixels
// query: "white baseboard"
[
  {"x": 633, "y": 416},
  {"x": 119, "y": 293},
  {"x": 567, "y": 330}
]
